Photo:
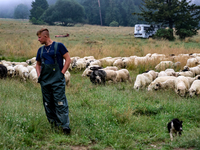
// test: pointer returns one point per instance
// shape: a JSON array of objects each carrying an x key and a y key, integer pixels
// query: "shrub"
[
  {"x": 164, "y": 34},
  {"x": 114, "y": 24},
  {"x": 183, "y": 33}
]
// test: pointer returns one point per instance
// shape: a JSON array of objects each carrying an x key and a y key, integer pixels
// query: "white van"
[{"x": 145, "y": 31}]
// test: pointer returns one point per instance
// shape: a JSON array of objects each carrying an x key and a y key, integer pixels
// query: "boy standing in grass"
[{"x": 50, "y": 70}]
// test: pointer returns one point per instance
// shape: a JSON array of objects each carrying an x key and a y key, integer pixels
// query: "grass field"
[{"x": 108, "y": 117}]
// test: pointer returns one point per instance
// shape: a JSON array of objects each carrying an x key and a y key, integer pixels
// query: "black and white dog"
[{"x": 174, "y": 126}]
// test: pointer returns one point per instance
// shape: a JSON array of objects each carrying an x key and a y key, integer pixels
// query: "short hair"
[{"x": 43, "y": 30}]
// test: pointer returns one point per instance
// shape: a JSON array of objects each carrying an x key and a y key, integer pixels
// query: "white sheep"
[
  {"x": 33, "y": 75},
  {"x": 194, "y": 70},
  {"x": 87, "y": 71},
  {"x": 31, "y": 61},
  {"x": 168, "y": 84},
  {"x": 192, "y": 62},
  {"x": 23, "y": 73},
  {"x": 186, "y": 73},
  {"x": 158, "y": 79},
  {"x": 182, "y": 85},
  {"x": 111, "y": 68},
  {"x": 123, "y": 75},
  {"x": 164, "y": 65},
  {"x": 110, "y": 75},
  {"x": 10, "y": 71},
  {"x": 195, "y": 88},
  {"x": 142, "y": 80},
  {"x": 30, "y": 68},
  {"x": 119, "y": 63},
  {"x": 162, "y": 73},
  {"x": 67, "y": 77}
]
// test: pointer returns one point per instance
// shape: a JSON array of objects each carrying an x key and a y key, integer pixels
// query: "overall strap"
[
  {"x": 42, "y": 59},
  {"x": 55, "y": 50}
]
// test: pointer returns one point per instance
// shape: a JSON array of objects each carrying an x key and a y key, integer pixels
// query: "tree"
[
  {"x": 21, "y": 12},
  {"x": 171, "y": 13},
  {"x": 38, "y": 8},
  {"x": 64, "y": 11}
]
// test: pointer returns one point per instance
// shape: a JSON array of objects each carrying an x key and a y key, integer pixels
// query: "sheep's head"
[
  {"x": 192, "y": 92},
  {"x": 157, "y": 86}
]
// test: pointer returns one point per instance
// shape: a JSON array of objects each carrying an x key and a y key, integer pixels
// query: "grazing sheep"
[
  {"x": 194, "y": 70},
  {"x": 33, "y": 75},
  {"x": 31, "y": 61},
  {"x": 119, "y": 63},
  {"x": 182, "y": 85},
  {"x": 158, "y": 79},
  {"x": 192, "y": 62},
  {"x": 30, "y": 68},
  {"x": 93, "y": 62},
  {"x": 10, "y": 71},
  {"x": 80, "y": 64},
  {"x": 114, "y": 68},
  {"x": 142, "y": 80},
  {"x": 168, "y": 84},
  {"x": 88, "y": 71},
  {"x": 20, "y": 63},
  {"x": 164, "y": 65},
  {"x": 162, "y": 73},
  {"x": 195, "y": 88},
  {"x": 17, "y": 68},
  {"x": 123, "y": 75},
  {"x": 186, "y": 74},
  {"x": 110, "y": 75},
  {"x": 3, "y": 71},
  {"x": 141, "y": 60},
  {"x": 23, "y": 73},
  {"x": 67, "y": 77}
]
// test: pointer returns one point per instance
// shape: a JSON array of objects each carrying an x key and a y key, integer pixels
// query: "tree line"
[{"x": 95, "y": 12}]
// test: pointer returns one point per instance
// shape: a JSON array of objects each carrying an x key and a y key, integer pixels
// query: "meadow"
[{"x": 114, "y": 116}]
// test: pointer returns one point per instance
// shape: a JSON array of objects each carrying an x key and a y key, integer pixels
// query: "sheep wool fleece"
[{"x": 52, "y": 83}]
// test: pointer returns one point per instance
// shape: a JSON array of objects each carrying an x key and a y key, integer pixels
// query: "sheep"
[
  {"x": 33, "y": 75},
  {"x": 20, "y": 63},
  {"x": 93, "y": 62},
  {"x": 110, "y": 75},
  {"x": 195, "y": 88},
  {"x": 170, "y": 72},
  {"x": 128, "y": 61},
  {"x": 168, "y": 84},
  {"x": 80, "y": 64},
  {"x": 10, "y": 71},
  {"x": 162, "y": 73},
  {"x": 111, "y": 68},
  {"x": 142, "y": 80},
  {"x": 158, "y": 79},
  {"x": 23, "y": 73},
  {"x": 17, "y": 67},
  {"x": 194, "y": 70},
  {"x": 164, "y": 64},
  {"x": 182, "y": 85},
  {"x": 30, "y": 68},
  {"x": 3, "y": 71},
  {"x": 186, "y": 74},
  {"x": 123, "y": 75},
  {"x": 119, "y": 63},
  {"x": 67, "y": 78},
  {"x": 31, "y": 61},
  {"x": 141, "y": 60},
  {"x": 192, "y": 62},
  {"x": 156, "y": 56},
  {"x": 88, "y": 71}
]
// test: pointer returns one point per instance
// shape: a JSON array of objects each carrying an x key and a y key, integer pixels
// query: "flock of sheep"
[{"x": 164, "y": 76}]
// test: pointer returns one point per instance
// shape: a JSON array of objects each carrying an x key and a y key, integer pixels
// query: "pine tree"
[
  {"x": 180, "y": 14},
  {"x": 38, "y": 8}
]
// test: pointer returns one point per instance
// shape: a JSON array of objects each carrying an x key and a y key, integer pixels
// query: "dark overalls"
[{"x": 52, "y": 83}]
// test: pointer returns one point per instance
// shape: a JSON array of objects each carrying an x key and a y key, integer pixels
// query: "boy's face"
[{"x": 42, "y": 38}]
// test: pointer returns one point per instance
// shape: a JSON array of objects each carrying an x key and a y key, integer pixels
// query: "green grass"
[{"x": 112, "y": 116}]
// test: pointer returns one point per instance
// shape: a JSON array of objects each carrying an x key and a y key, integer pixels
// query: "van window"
[{"x": 146, "y": 28}]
